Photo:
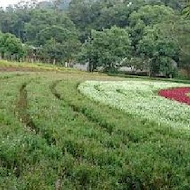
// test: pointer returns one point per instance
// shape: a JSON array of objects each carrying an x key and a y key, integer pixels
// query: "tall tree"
[
  {"x": 107, "y": 48},
  {"x": 58, "y": 44},
  {"x": 41, "y": 19},
  {"x": 148, "y": 15},
  {"x": 187, "y": 9},
  {"x": 11, "y": 47},
  {"x": 161, "y": 51}
]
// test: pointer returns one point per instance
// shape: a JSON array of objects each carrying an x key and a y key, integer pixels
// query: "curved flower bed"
[
  {"x": 140, "y": 99},
  {"x": 179, "y": 94}
]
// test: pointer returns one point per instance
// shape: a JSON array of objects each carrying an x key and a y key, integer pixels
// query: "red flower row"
[{"x": 179, "y": 94}]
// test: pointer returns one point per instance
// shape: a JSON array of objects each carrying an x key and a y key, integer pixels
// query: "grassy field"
[{"x": 52, "y": 136}]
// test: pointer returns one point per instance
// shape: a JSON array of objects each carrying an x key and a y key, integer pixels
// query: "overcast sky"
[{"x": 5, "y": 3}]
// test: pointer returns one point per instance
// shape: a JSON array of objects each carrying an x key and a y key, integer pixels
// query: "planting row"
[{"x": 54, "y": 137}]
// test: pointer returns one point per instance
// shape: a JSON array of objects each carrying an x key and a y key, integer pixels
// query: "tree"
[
  {"x": 180, "y": 33},
  {"x": 41, "y": 19},
  {"x": 82, "y": 13},
  {"x": 58, "y": 44},
  {"x": 11, "y": 47},
  {"x": 116, "y": 12},
  {"x": 56, "y": 36},
  {"x": 14, "y": 18},
  {"x": 186, "y": 10},
  {"x": 136, "y": 64},
  {"x": 61, "y": 4},
  {"x": 99, "y": 15},
  {"x": 161, "y": 51},
  {"x": 174, "y": 4},
  {"x": 148, "y": 15},
  {"x": 107, "y": 48}
]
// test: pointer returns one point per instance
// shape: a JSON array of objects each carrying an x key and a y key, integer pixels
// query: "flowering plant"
[
  {"x": 141, "y": 99},
  {"x": 179, "y": 94}
]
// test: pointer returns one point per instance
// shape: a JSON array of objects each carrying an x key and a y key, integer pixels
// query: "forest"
[{"x": 147, "y": 36}]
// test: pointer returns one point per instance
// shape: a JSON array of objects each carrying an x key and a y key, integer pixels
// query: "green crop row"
[{"x": 53, "y": 137}]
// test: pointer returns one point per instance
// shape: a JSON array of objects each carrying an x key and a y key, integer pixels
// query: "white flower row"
[{"x": 141, "y": 99}]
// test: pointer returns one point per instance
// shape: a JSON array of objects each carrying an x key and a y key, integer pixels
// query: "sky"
[{"x": 5, "y": 3}]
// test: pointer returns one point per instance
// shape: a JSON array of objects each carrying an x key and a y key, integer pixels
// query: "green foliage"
[
  {"x": 181, "y": 34},
  {"x": 151, "y": 15},
  {"x": 161, "y": 51},
  {"x": 136, "y": 63},
  {"x": 11, "y": 47},
  {"x": 58, "y": 43},
  {"x": 148, "y": 15},
  {"x": 51, "y": 30},
  {"x": 108, "y": 48},
  {"x": 98, "y": 15},
  {"x": 44, "y": 19},
  {"x": 186, "y": 10},
  {"x": 13, "y": 21}
]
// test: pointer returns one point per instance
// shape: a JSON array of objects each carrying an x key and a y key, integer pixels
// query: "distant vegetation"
[{"x": 147, "y": 36}]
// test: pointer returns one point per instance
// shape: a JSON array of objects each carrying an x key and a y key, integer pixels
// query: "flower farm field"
[
  {"x": 58, "y": 131},
  {"x": 140, "y": 99}
]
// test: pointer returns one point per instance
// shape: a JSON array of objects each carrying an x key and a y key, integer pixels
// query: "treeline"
[{"x": 151, "y": 36}]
